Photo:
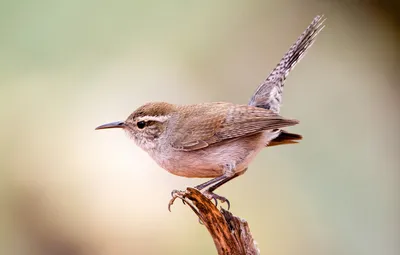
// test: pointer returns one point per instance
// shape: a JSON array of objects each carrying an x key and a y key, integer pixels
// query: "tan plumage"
[
  {"x": 211, "y": 123},
  {"x": 218, "y": 139}
]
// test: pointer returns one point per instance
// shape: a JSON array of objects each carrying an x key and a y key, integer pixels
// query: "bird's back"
[{"x": 202, "y": 125}]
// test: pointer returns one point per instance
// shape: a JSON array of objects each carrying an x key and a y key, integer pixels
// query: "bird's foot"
[
  {"x": 208, "y": 194},
  {"x": 176, "y": 194},
  {"x": 212, "y": 196}
]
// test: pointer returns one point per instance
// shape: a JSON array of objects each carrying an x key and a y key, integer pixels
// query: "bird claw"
[
  {"x": 212, "y": 196},
  {"x": 200, "y": 221},
  {"x": 215, "y": 201},
  {"x": 176, "y": 194}
]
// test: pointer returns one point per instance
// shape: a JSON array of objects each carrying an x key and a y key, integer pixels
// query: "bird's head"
[{"x": 146, "y": 124}]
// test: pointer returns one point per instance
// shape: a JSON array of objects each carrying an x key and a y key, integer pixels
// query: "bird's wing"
[
  {"x": 269, "y": 94},
  {"x": 212, "y": 123}
]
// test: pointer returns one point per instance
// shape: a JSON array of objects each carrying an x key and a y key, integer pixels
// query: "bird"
[{"x": 218, "y": 140}]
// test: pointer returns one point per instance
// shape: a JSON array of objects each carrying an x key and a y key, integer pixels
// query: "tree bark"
[{"x": 231, "y": 234}]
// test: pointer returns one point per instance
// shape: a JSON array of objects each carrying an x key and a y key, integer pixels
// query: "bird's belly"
[
  {"x": 213, "y": 160},
  {"x": 193, "y": 164}
]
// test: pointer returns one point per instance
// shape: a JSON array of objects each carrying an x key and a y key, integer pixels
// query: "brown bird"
[{"x": 218, "y": 140}]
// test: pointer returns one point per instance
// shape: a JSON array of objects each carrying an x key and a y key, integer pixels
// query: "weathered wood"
[{"x": 231, "y": 234}]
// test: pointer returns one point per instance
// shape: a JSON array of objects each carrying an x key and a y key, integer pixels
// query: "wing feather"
[{"x": 212, "y": 123}]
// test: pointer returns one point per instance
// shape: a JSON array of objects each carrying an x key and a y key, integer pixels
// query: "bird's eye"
[{"x": 141, "y": 124}]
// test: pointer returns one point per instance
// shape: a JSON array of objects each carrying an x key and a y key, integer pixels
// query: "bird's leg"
[
  {"x": 210, "y": 182},
  {"x": 225, "y": 180},
  {"x": 215, "y": 183},
  {"x": 229, "y": 172},
  {"x": 211, "y": 195},
  {"x": 210, "y": 191},
  {"x": 212, "y": 185},
  {"x": 179, "y": 193}
]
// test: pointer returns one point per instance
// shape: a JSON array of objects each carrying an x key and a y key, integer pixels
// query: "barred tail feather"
[{"x": 269, "y": 94}]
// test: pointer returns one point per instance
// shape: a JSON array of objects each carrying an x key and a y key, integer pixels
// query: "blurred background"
[{"x": 69, "y": 66}]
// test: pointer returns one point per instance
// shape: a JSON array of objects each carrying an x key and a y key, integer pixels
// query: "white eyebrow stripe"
[{"x": 154, "y": 118}]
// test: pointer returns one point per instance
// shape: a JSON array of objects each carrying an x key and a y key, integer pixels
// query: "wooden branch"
[{"x": 231, "y": 234}]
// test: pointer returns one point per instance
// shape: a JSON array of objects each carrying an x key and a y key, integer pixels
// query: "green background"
[{"x": 69, "y": 66}]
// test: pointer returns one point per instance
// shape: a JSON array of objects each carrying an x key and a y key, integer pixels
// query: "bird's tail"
[
  {"x": 285, "y": 137},
  {"x": 269, "y": 94}
]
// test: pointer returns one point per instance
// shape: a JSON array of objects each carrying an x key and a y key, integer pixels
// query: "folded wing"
[{"x": 225, "y": 121}]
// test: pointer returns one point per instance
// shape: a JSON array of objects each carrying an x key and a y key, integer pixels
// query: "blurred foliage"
[{"x": 68, "y": 66}]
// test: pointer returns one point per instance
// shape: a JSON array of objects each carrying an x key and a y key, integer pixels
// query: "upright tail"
[{"x": 269, "y": 94}]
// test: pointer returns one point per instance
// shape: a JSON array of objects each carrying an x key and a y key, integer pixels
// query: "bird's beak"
[{"x": 118, "y": 124}]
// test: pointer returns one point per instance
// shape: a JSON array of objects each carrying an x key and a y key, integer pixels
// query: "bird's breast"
[{"x": 211, "y": 161}]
